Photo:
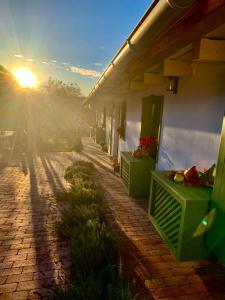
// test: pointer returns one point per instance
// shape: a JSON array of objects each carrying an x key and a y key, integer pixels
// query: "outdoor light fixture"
[{"x": 172, "y": 84}]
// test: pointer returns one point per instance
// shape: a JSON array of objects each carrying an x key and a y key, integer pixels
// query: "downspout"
[{"x": 157, "y": 17}]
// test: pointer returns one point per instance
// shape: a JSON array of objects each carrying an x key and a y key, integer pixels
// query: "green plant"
[
  {"x": 76, "y": 216},
  {"x": 92, "y": 247},
  {"x": 95, "y": 274},
  {"x": 107, "y": 284},
  {"x": 79, "y": 168},
  {"x": 80, "y": 195}
]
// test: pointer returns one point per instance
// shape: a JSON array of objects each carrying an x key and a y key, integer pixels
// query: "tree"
[
  {"x": 59, "y": 106},
  {"x": 58, "y": 88}
]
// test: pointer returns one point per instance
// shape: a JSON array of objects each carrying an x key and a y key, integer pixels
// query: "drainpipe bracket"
[{"x": 131, "y": 46}]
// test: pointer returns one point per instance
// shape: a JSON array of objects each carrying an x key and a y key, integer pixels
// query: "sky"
[{"x": 70, "y": 40}]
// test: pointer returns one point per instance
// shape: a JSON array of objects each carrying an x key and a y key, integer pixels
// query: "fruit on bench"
[
  {"x": 179, "y": 177},
  {"x": 137, "y": 153},
  {"x": 191, "y": 175}
]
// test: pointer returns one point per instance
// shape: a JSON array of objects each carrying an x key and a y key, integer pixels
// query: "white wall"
[{"x": 192, "y": 119}]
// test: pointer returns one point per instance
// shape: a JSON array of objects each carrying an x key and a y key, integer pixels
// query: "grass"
[{"x": 96, "y": 274}]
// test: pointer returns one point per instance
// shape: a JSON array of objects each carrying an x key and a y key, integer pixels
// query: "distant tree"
[
  {"x": 58, "y": 88},
  {"x": 59, "y": 107}
]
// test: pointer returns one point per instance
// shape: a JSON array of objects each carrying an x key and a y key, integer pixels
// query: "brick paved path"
[
  {"x": 32, "y": 259},
  {"x": 144, "y": 253}
]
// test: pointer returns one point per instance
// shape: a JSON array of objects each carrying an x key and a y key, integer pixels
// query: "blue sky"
[{"x": 71, "y": 40}]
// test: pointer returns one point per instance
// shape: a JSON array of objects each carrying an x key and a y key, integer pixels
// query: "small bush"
[
  {"x": 80, "y": 168},
  {"x": 92, "y": 247},
  {"x": 104, "y": 285},
  {"x": 76, "y": 216},
  {"x": 80, "y": 183},
  {"x": 82, "y": 196},
  {"x": 95, "y": 275}
]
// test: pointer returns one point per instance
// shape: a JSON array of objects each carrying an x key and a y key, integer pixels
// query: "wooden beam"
[
  {"x": 153, "y": 79},
  {"x": 207, "y": 16},
  {"x": 209, "y": 50},
  {"x": 177, "y": 68},
  {"x": 136, "y": 85}
]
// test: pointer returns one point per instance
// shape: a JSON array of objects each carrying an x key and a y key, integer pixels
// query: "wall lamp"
[{"x": 172, "y": 84}]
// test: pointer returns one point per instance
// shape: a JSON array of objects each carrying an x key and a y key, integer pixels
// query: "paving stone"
[
  {"x": 8, "y": 287},
  {"x": 31, "y": 254},
  {"x": 14, "y": 296},
  {"x": 19, "y": 278},
  {"x": 27, "y": 237}
]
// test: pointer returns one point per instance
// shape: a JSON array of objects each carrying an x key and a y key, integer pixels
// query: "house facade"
[
  {"x": 168, "y": 81},
  {"x": 191, "y": 120}
]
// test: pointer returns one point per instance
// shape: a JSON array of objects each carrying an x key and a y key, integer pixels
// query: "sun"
[{"x": 25, "y": 77}]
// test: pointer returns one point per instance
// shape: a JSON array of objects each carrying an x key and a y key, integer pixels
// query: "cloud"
[
  {"x": 98, "y": 64},
  {"x": 85, "y": 72},
  {"x": 65, "y": 63},
  {"x": 54, "y": 61},
  {"x": 18, "y": 55},
  {"x": 44, "y": 62},
  {"x": 30, "y": 59}
]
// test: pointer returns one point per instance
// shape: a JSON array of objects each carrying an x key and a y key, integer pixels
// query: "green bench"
[{"x": 179, "y": 214}]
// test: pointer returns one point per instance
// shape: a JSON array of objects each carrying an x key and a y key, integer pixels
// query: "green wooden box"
[
  {"x": 135, "y": 174},
  {"x": 178, "y": 213}
]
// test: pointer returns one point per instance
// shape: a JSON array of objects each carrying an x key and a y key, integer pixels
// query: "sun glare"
[{"x": 25, "y": 78}]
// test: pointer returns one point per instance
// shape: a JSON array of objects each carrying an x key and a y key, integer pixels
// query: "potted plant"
[{"x": 147, "y": 148}]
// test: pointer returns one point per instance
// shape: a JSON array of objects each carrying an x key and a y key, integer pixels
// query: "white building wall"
[{"x": 192, "y": 119}]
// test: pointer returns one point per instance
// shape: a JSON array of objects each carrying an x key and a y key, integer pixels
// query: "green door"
[
  {"x": 216, "y": 234},
  {"x": 151, "y": 116}
]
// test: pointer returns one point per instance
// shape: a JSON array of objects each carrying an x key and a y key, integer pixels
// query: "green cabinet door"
[{"x": 216, "y": 234}]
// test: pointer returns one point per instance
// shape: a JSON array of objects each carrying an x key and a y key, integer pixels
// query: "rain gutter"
[{"x": 158, "y": 16}]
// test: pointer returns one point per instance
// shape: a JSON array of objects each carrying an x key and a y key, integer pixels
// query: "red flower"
[{"x": 148, "y": 145}]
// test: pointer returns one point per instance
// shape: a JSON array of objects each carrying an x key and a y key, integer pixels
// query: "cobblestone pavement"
[
  {"x": 32, "y": 259},
  {"x": 145, "y": 256}
]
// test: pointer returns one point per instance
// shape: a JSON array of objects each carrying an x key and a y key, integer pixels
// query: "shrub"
[
  {"x": 76, "y": 216},
  {"x": 105, "y": 285},
  {"x": 92, "y": 247},
  {"x": 81, "y": 196},
  {"x": 80, "y": 168},
  {"x": 93, "y": 250}
]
